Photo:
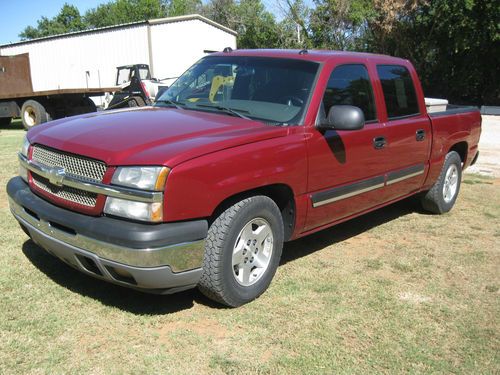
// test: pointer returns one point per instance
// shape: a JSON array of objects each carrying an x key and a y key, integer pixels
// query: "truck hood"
[{"x": 150, "y": 136}]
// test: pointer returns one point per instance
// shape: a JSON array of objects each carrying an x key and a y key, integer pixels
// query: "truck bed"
[
  {"x": 86, "y": 91},
  {"x": 452, "y": 109}
]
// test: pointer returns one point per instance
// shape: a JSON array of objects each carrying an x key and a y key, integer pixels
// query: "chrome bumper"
[{"x": 150, "y": 267}]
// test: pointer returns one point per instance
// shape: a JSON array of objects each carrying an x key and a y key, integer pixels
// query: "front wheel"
[
  {"x": 443, "y": 194},
  {"x": 242, "y": 251}
]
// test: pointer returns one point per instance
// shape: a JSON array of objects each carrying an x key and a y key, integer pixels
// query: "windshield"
[{"x": 267, "y": 89}]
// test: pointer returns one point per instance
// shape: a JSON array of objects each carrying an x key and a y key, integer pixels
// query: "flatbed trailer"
[{"x": 18, "y": 99}]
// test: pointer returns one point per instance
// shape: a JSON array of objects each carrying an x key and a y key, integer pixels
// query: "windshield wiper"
[
  {"x": 234, "y": 112},
  {"x": 171, "y": 102}
]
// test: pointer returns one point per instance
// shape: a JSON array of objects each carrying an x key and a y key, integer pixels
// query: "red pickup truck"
[{"x": 246, "y": 150}]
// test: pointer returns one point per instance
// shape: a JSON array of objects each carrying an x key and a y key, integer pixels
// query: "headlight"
[
  {"x": 134, "y": 210},
  {"x": 144, "y": 178},
  {"x": 25, "y": 146},
  {"x": 23, "y": 172}
]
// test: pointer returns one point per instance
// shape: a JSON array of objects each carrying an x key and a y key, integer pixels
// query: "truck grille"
[
  {"x": 82, "y": 197},
  {"x": 75, "y": 166}
]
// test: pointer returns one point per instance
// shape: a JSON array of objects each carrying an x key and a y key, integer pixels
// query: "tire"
[
  {"x": 236, "y": 279},
  {"x": 443, "y": 194},
  {"x": 136, "y": 101},
  {"x": 5, "y": 121},
  {"x": 88, "y": 106},
  {"x": 33, "y": 113}
]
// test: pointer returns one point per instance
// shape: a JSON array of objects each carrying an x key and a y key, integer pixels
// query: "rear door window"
[
  {"x": 399, "y": 91},
  {"x": 350, "y": 85}
]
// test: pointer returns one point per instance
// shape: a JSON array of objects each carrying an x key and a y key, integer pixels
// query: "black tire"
[
  {"x": 218, "y": 281},
  {"x": 33, "y": 113},
  {"x": 88, "y": 106},
  {"x": 434, "y": 200},
  {"x": 5, "y": 121},
  {"x": 136, "y": 101}
]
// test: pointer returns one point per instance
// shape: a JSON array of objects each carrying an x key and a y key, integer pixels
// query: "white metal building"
[{"x": 89, "y": 58}]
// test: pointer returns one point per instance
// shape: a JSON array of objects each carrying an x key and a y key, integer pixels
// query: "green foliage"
[
  {"x": 451, "y": 43},
  {"x": 337, "y": 24},
  {"x": 454, "y": 44},
  {"x": 68, "y": 20},
  {"x": 124, "y": 11}
]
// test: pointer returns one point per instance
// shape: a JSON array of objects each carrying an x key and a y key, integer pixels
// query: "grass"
[{"x": 395, "y": 291}]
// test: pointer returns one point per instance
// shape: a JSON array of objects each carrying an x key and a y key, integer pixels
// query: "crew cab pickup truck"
[{"x": 246, "y": 150}]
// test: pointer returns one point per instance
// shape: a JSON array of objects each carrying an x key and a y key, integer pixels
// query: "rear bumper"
[{"x": 158, "y": 258}]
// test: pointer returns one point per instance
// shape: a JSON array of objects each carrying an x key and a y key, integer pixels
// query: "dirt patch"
[
  {"x": 413, "y": 298},
  {"x": 488, "y": 163}
]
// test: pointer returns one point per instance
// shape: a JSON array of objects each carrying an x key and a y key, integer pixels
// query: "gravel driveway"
[{"x": 488, "y": 163}]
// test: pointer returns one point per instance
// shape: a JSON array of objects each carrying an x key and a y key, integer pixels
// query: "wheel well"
[
  {"x": 281, "y": 194},
  {"x": 461, "y": 149}
]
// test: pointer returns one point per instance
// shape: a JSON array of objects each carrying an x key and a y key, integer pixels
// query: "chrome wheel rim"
[
  {"x": 450, "y": 185},
  {"x": 29, "y": 116},
  {"x": 252, "y": 252}
]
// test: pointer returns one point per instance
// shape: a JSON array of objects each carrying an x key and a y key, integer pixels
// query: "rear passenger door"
[{"x": 407, "y": 131}]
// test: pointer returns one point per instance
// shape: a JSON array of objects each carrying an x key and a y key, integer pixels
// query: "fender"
[{"x": 208, "y": 180}]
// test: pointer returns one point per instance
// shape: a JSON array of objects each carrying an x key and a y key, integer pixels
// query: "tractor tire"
[{"x": 136, "y": 101}]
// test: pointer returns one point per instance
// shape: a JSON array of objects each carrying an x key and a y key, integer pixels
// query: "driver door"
[{"x": 346, "y": 168}]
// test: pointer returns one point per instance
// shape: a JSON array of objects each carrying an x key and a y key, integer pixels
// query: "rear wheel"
[
  {"x": 33, "y": 113},
  {"x": 443, "y": 194},
  {"x": 242, "y": 251},
  {"x": 5, "y": 121},
  {"x": 88, "y": 106}
]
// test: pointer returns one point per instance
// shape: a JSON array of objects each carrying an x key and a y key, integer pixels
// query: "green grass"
[{"x": 396, "y": 291}]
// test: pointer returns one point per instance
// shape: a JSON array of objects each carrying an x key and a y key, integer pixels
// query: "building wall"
[
  {"x": 178, "y": 45},
  {"x": 64, "y": 62}
]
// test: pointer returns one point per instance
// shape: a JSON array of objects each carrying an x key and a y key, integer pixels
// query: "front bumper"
[{"x": 159, "y": 258}]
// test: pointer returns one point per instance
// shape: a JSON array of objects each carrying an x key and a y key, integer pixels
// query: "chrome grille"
[
  {"x": 82, "y": 197},
  {"x": 74, "y": 165}
]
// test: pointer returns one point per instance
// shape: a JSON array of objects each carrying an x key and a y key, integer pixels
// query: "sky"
[{"x": 15, "y": 15}]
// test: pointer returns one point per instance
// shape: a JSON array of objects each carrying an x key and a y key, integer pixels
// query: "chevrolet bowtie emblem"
[{"x": 56, "y": 176}]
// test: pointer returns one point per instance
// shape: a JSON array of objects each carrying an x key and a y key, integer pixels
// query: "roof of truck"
[{"x": 311, "y": 55}]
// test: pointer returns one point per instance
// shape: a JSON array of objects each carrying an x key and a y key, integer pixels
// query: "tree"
[
  {"x": 450, "y": 43},
  {"x": 182, "y": 7},
  {"x": 68, "y": 20},
  {"x": 125, "y": 11},
  {"x": 256, "y": 26}
]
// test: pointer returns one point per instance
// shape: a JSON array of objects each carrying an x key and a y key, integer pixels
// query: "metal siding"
[
  {"x": 62, "y": 63},
  {"x": 176, "y": 46}
]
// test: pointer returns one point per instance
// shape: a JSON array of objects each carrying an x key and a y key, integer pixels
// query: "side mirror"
[{"x": 343, "y": 117}]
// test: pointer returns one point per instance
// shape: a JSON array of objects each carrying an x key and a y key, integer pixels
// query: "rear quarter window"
[{"x": 399, "y": 91}]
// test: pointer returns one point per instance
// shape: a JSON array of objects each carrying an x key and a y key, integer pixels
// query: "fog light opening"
[
  {"x": 89, "y": 265},
  {"x": 121, "y": 274}
]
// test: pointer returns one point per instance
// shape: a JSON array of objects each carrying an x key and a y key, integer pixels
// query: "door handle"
[
  {"x": 379, "y": 142},
  {"x": 420, "y": 135}
]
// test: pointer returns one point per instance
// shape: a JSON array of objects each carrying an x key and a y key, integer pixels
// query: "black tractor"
[{"x": 137, "y": 87}]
